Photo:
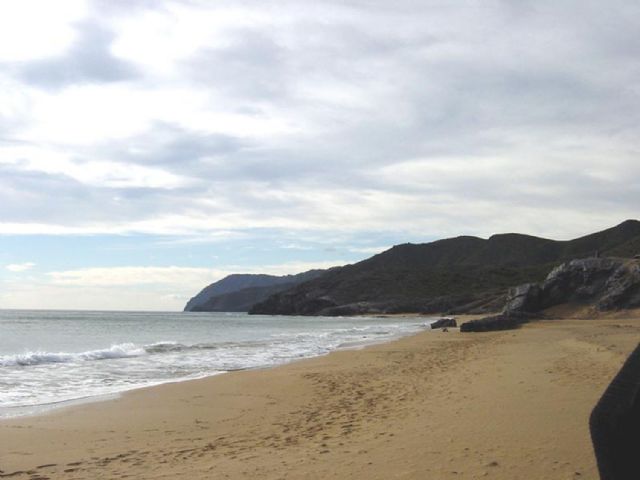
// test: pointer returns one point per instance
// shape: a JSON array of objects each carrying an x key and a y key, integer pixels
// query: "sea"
[{"x": 50, "y": 359}]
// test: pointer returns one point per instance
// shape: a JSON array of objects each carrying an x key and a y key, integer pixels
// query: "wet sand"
[{"x": 503, "y": 405}]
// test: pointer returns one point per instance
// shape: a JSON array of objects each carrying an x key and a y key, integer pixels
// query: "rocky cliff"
[
  {"x": 602, "y": 283},
  {"x": 457, "y": 275}
]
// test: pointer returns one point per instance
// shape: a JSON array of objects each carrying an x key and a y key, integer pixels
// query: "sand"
[{"x": 502, "y": 405}]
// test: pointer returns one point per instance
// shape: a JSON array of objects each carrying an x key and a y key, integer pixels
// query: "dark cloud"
[
  {"x": 37, "y": 197},
  {"x": 26, "y": 196},
  {"x": 87, "y": 61},
  {"x": 170, "y": 146}
]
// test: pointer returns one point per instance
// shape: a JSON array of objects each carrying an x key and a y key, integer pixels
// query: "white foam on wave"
[{"x": 123, "y": 350}]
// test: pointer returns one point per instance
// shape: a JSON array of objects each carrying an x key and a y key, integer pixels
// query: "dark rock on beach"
[
  {"x": 496, "y": 322},
  {"x": 444, "y": 323}
]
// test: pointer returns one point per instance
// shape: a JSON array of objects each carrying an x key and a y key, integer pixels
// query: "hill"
[
  {"x": 462, "y": 274},
  {"x": 239, "y": 292}
]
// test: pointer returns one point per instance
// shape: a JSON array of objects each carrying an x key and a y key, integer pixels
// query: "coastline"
[
  {"x": 13, "y": 412},
  {"x": 505, "y": 405}
]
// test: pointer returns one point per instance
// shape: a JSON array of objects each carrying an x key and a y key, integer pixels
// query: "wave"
[
  {"x": 323, "y": 341},
  {"x": 170, "y": 347},
  {"x": 123, "y": 350}
]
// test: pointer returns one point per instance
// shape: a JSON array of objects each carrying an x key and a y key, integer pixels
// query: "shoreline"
[
  {"x": 50, "y": 407},
  {"x": 507, "y": 404}
]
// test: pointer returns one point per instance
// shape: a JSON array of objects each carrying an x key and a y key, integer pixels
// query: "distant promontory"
[{"x": 239, "y": 292}]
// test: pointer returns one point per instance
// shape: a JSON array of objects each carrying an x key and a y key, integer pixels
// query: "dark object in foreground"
[
  {"x": 444, "y": 323},
  {"x": 615, "y": 424},
  {"x": 497, "y": 322}
]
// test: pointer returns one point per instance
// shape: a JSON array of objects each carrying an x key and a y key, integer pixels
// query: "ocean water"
[{"x": 51, "y": 358}]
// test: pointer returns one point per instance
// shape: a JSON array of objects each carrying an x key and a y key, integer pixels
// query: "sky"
[{"x": 150, "y": 148}]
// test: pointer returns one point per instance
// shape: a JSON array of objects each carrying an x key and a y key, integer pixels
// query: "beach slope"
[{"x": 501, "y": 405}]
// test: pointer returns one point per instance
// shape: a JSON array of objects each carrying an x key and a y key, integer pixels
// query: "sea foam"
[{"x": 123, "y": 350}]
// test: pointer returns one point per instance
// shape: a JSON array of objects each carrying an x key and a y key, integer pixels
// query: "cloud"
[
  {"x": 129, "y": 276},
  {"x": 88, "y": 60},
  {"x": 431, "y": 119},
  {"x": 20, "y": 267},
  {"x": 47, "y": 296},
  {"x": 181, "y": 277},
  {"x": 95, "y": 173},
  {"x": 32, "y": 29},
  {"x": 249, "y": 65}
]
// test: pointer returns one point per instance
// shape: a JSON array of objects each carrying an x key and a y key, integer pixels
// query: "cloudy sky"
[{"x": 149, "y": 148}]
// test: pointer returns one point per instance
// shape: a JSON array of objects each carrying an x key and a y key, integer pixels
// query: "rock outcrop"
[{"x": 605, "y": 283}]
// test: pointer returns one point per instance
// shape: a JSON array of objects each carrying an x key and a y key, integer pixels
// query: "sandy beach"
[{"x": 503, "y": 405}]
